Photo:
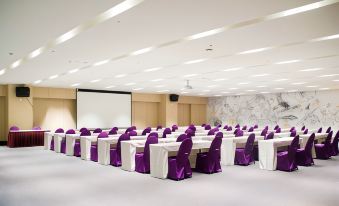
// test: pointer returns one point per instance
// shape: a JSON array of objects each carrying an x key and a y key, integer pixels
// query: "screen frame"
[{"x": 101, "y": 91}]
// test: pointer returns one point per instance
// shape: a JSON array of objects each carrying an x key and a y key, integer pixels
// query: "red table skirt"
[{"x": 25, "y": 139}]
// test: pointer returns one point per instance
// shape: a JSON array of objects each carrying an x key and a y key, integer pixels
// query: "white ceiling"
[{"x": 29, "y": 25}]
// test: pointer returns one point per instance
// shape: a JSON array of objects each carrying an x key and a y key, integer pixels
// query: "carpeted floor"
[{"x": 33, "y": 176}]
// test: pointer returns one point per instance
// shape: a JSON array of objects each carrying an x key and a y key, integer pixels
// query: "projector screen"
[{"x": 103, "y": 109}]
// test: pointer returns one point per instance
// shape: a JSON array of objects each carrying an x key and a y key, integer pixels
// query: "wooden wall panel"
[
  {"x": 3, "y": 121},
  {"x": 54, "y": 113},
  {"x": 145, "y": 114},
  {"x": 198, "y": 114},
  {"x": 184, "y": 114}
]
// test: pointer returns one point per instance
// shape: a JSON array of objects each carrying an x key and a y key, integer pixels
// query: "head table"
[{"x": 26, "y": 138}]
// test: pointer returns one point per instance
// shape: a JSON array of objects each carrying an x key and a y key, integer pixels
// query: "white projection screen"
[{"x": 103, "y": 109}]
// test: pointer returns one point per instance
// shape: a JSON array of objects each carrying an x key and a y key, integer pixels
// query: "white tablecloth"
[
  {"x": 70, "y": 141},
  {"x": 159, "y": 156},
  {"x": 129, "y": 148},
  {"x": 104, "y": 145},
  {"x": 47, "y": 140},
  {"x": 58, "y": 137}
]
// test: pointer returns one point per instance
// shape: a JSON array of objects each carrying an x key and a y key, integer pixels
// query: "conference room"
[{"x": 169, "y": 102}]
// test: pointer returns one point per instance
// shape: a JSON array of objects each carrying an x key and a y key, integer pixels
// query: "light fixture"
[
  {"x": 210, "y": 86},
  {"x": 251, "y": 90},
  {"x": 184, "y": 92},
  {"x": 109, "y": 87},
  {"x": 53, "y": 76},
  {"x": 99, "y": 63},
  {"x": 329, "y": 75},
  {"x": 206, "y": 90},
  {"x": 312, "y": 86},
  {"x": 280, "y": 80},
  {"x": 190, "y": 75},
  {"x": 195, "y": 61},
  {"x": 142, "y": 51},
  {"x": 335, "y": 36},
  {"x": 325, "y": 88},
  {"x": 243, "y": 83},
  {"x": 152, "y": 69},
  {"x": 278, "y": 88},
  {"x": 261, "y": 86},
  {"x": 138, "y": 89},
  {"x": 260, "y": 75},
  {"x": 255, "y": 50},
  {"x": 95, "y": 80},
  {"x": 35, "y": 53},
  {"x": 293, "y": 90},
  {"x": 157, "y": 80},
  {"x": 120, "y": 75},
  {"x": 217, "y": 95},
  {"x": 288, "y": 61},
  {"x": 264, "y": 92},
  {"x": 233, "y": 88},
  {"x": 225, "y": 92},
  {"x": 311, "y": 70},
  {"x": 206, "y": 33},
  {"x": 298, "y": 83},
  {"x": 158, "y": 86},
  {"x": 2, "y": 72},
  {"x": 75, "y": 85},
  {"x": 218, "y": 80},
  {"x": 73, "y": 71},
  {"x": 161, "y": 91},
  {"x": 16, "y": 63},
  {"x": 68, "y": 35},
  {"x": 232, "y": 69},
  {"x": 130, "y": 83},
  {"x": 239, "y": 94},
  {"x": 37, "y": 81}
]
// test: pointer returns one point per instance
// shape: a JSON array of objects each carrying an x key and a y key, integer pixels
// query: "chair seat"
[
  {"x": 175, "y": 173},
  {"x": 94, "y": 153},
  {"x": 77, "y": 149},
  {"x": 241, "y": 158},
  {"x": 283, "y": 163},
  {"x": 207, "y": 165},
  {"x": 115, "y": 157},
  {"x": 139, "y": 163},
  {"x": 282, "y": 153}
]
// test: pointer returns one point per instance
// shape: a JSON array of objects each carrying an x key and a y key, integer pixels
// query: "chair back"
[
  {"x": 251, "y": 129},
  {"x": 85, "y": 133},
  {"x": 150, "y": 140},
  {"x": 146, "y": 130},
  {"x": 166, "y": 132},
  {"x": 97, "y": 130},
  {"x": 309, "y": 145},
  {"x": 211, "y": 132},
  {"x": 229, "y": 128},
  {"x": 203, "y": 125},
  {"x": 214, "y": 150},
  {"x": 133, "y": 133},
  {"x": 14, "y": 128},
  {"x": 113, "y": 131},
  {"x": 193, "y": 128},
  {"x": 303, "y": 128},
  {"x": 244, "y": 127},
  {"x": 264, "y": 132},
  {"x": 276, "y": 127},
  {"x": 226, "y": 126},
  {"x": 236, "y": 131},
  {"x": 59, "y": 130},
  {"x": 293, "y": 133},
  {"x": 335, "y": 143},
  {"x": 255, "y": 126},
  {"x": 190, "y": 132},
  {"x": 328, "y": 130},
  {"x": 184, "y": 152},
  {"x": 320, "y": 130},
  {"x": 83, "y": 129},
  {"x": 103, "y": 135},
  {"x": 292, "y": 129},
  {"x": 328, "y": 140},
  {"x": 292, "y": 148},
  {"x": 208, "y": 127},
  {"x": 269, "y": 136},
  {"x": 305, "y": 131},
  {"x": 174, "y": 127},
  {"x": 182, "y": 137},
  {"x": 240, "y": 133},
  {"x": 154, "y": 134},
  {"x": 237, "y": 126},
  {"x": 70, "y": 131},
  {"x": 219, "y": 125},
  {"x": 123, "y": 137},
  {"x": 133, "y": 128},
  {"x": 36, "y": 128},
  {"x": 278, "y": 130},
  {"x": 159, "y": 127},
  {"x": 220, "y": 135},
  {"x": 249, "y": 144}
]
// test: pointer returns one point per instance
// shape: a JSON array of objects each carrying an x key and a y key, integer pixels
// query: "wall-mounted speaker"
[
  {"x": 174, "y": 97},
  {"x": 22, "y": 91}
]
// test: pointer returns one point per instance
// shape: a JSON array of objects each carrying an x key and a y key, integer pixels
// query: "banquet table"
[
  {"x": 58, "y": 137},
  {"x": 159, "y": 155},
  {"x": 48, "y": 136},
  {"x": 129, "y": 149},
  {"x": 70, "y": 142},
  {"x": 25, "y": 138},
  {"x": 104, "y": 146}
]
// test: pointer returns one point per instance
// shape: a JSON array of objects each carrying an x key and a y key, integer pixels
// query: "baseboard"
[{"x": 2, "y": 143}]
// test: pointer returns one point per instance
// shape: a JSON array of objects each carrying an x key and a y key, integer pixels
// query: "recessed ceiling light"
[
  {"x": 261, "y": 86},
  {"x": 243, "y": 83},
  {"x": 37, "y": 81},
  {"x": 16, "y": 64},
  {"x": 101, "y": 62},
  {"x": 158, "y": 86},
  {"x": 157, "y": 80},
  {"x": 278, "y": 88},
  {"x": 329, "y": 75},
  {"x": 201, "y": 94},
  {"x": 73, "y": 71},
  {"x": 233, "y": 88},
  {"x": 288, "y": 61},
  {"x": 325, "y": 88},
  {"x": 68, "y": 35},
  {"x": 210, "y": 86},
  {"x": 232, "y": 69},
  {"x": 152, "y": 69},
  {"x": 120, "y": 75},
  {"x": 312, "y": 86},
  {"x": 218, "y": 80},
  {"x": 239, "y": 94},
  {"x": 251, "y": 90},
  {"x": 264, "y": 92},
  {"x": 184, "y": 92},
  {"x": 53, "y": 76},
  {"x": 293, "y": 90},
  {"x": 137, "y": 89},
  {"x": 76, "y": 84},
  {"x": 280, "y": 80},
  {"x": 217, "y": 95},
  {"x": 260, "y": 75},
  {"x": 336, "y": 36},
  {"x": 205, "y": 34},
  {"x": 35, "y": 53},
  {"x": 163, "y": 91},
  {"x": 195, "y": 61},
  {"x": 190, "y": 75},
  {"x": 311, "y": 70},
  {"x": 95, "y": 80},
  {"x": 225, "y": 92},
  {"x": 206, "y": 90},
  {"x": 112, "y": 86},
  {"x": 142, "y": 51},
  {"x": 130, "y": 83},
  {"x": 255, "y": 50},
  {"x": 2, "y": 72},
  {"x": 298, "y": 83}
]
